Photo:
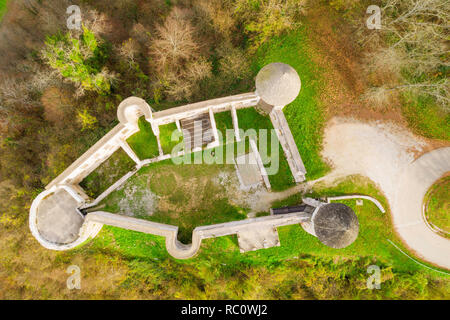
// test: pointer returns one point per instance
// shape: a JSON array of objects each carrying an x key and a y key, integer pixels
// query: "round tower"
[
  {"x": 278, "y": 84},
  {"x": 335, "y": 225},
  {"x": 131, "y": 109}
]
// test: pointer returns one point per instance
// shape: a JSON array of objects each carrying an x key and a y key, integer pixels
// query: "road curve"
[{"x": 415, "y": 179}]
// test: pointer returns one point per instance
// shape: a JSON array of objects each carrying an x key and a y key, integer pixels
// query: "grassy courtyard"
[
  {"x": 224, "y": 125},
  {"x": 187, "y": 195},
  {"x": 282, "y": 177},
  {"x": 3, "y": 4},
  {"x": 144, "y": 142},
  {"x": 111, "y": 170},
  {"x": 225, "y": 44}
]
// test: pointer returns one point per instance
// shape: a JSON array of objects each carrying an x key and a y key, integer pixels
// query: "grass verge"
[{"x": 437, "y": 204}]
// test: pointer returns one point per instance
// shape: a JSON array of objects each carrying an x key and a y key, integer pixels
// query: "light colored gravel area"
[{"x": 378, "y": 151}]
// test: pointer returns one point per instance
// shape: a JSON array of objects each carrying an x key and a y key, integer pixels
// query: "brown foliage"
[
  {"x": 54, "y": 101},
  {"x": 185, "y": 84},
  {"x": 174, "y": 43},
  {"x": 233, "y": 62},
  {"x": 412, "y": 41}
]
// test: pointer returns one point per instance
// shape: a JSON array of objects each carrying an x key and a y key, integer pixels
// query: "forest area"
[{"x": 60, "y": 88}]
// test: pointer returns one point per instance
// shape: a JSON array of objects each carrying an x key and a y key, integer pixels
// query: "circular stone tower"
[
  {"x": 336, "y": 225},
  {"x": 278, "y": 84}
]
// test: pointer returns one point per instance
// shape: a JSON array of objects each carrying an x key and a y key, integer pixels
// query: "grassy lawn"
[
  {"x": 2, "y": 8},
  {"x": 437, "y": 201},
  {"x": 144, "y": 142},
  {"x": 425, "y": 117},
  {"x": 165, "y": 137},
  {"x": 301, "y": 268},
  {"x": 117, "y": 165},
  {"x": 305, "y": 114},
  {"x": 188, "y": 195}
]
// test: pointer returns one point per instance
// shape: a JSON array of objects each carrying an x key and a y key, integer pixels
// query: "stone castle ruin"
[{"x": 58, "y": 218}]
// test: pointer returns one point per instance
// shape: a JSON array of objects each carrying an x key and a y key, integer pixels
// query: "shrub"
[
  {"x": 86, "y": 120},
  {"x": 416, "y": 35},
  {"x": 264, "y": 19},
  {"x": 80, "y": 60}
]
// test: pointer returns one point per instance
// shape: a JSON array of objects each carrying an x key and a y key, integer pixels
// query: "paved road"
[{"x": 414, "y": 182}]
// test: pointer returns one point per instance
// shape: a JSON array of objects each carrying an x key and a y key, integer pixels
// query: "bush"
[
  {"x": 264, "y": 19},
  {"x": 86, "y": 120},
  {"x": 80, "y": 60}
]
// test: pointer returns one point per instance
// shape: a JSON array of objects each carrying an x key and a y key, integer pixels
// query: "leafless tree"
[
  {"x": 174, "y": 42},
  {"x": 418, "y": 33},
  {"x": 128, "y": 50}
]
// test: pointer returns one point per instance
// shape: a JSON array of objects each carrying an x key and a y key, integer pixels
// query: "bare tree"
[
  {"x": 128, "y": 50},
  {"x": 417, "y": 33},
  {"x": 174, "y": 42}
]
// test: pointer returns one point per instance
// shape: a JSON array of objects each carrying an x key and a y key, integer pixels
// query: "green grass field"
[
  {"x": 425, "y": 117},
  {"x": 301, "y": 268},
  {"x": 165, "y": 136},
  {"x": 144, "y": 142},
  {"x": 187, "y": 196},
  {"x": 250, "y": 119},
  {"x": 3, "y": 4}
]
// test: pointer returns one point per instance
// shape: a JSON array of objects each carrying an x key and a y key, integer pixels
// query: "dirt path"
[
  {"x": 385, "y": 153},
  {"x": 265, "y": 199},
  {"x": 257, "y": 200},
  {"x": 378, "y": 150}
]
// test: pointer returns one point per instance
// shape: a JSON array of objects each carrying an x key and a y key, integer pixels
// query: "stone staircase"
[{"x": 197, "y": 131}]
